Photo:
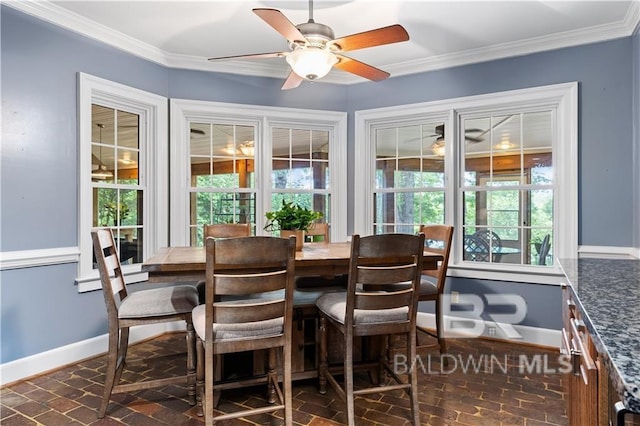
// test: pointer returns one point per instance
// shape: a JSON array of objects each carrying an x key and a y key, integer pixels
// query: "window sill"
[{"x": 514, "y": 273}]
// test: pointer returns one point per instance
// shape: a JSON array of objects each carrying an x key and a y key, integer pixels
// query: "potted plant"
[{"x": 291, "y": 219}]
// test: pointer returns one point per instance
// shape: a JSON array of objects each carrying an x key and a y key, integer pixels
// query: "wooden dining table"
[{"x": 315, "y": 259}]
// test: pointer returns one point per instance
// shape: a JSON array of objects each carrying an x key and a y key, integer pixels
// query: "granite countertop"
[{"x": 608, "y": 296}]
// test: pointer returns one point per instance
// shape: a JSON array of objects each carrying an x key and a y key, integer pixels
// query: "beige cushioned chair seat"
[
  {"x": 159, "y": 301},
  {"x": 334, "y": 305},
  {"x": 241, "y": 330}
]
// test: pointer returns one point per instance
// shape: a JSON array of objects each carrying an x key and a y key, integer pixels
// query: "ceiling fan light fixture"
[
  {"x": 438, "y": 148},
  {"x": 248, "y": 149},
  {"x": 102, "y": 173},
  {"x": 311, "y": 63},
  {"x": 505, "y": 144}
]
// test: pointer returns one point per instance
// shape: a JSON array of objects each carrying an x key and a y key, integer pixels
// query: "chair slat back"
[
  {"x": 437, "y": 239},
  {"x": 258, "y": 310},
  {"x": 377, "y": 263},
  {"x": 238, "y": 284},
  {"x": 383, "y": 300},
  {"x": 321, "y": 229},
  {"x": 227, "y": 230},
  {"x": 382, "y": 275},
  {"x": 249, "y": 279},
  {"x": 113, "y": 284}
]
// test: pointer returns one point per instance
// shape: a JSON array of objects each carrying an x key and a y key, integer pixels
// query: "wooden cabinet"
[{"x": 587, "y": 384}]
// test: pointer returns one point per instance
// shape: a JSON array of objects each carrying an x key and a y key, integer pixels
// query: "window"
[
  {"x": 508, "y": 187},
  {"x": 123, "y": 158},
  {"x": 240, "y": 161},
  {"x": 300, "y": 169},
  {"x": 222, "y": 171},
  {"x": 409, "y": 177},
  {"x": 502, "y": 168},
  {"x": 118, "y": 195}
]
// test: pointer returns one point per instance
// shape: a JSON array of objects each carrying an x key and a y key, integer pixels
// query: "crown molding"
[
  {"x": 561, "y": 40},
  {"x": 52, "y": 13}
]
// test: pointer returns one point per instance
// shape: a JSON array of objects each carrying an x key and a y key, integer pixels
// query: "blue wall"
[{"x": 38, "y": 164}]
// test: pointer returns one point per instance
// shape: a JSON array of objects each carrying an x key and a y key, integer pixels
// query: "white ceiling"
[{"x": 183, "y": 34}]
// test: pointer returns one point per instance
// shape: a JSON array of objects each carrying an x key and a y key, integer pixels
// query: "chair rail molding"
[{"x": 39, "y": 257}]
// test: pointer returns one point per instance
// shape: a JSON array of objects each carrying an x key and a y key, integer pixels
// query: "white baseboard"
[
  {"x": 53, "y": 359},
  {"x": 609, "y": 252},
  {"x": 525, "y": 334}
]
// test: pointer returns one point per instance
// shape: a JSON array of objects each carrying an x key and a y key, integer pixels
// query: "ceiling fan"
[
  {"x": 469, "y": 138},
  {"x": 315, "y": 50},
  {"x": 438, "y": 145}
]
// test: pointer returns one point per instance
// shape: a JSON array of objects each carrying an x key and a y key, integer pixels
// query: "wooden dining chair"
[
  {"x": 318, "y": 229},
  {"x": 370, "y": 308},
  {"x": 125, "y": 310},
  {"x": 248, "y": 307},
  {"x": 227, "y": 230},
  {"x": 315, "y": 282},
  {"x": 222, "y": 230},
  {"x": 437, "y": 239}
]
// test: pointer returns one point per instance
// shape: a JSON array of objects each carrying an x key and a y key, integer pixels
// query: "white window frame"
[
  {"x": 184, "y": 112},
  {"x": 152, "y": 170},
  {"x": 562, "y": 98}
]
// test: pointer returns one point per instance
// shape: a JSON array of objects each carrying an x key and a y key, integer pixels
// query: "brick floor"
[{"x": 485, "y": 383}]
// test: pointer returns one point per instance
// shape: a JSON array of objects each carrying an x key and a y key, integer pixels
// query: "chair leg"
[
  {"x": 440, "y": 331},
  {"x": 123, "y": 347},
  {"x": 348, "y": 381},
  {"x": 191, "y": 362},
  {"x": 322, "y": 367},
  {"x": 386, "y": 349},
  {"x": 210, "y": 361},
  {"x": 199, "y": 376},
  {"x": 413, "y": 376},
  {"x": 217, "y": 375},
  {"x": 287, "y": 384},
  {"x": 112, "y": 370},
  {"x": 272, "y": 377}
]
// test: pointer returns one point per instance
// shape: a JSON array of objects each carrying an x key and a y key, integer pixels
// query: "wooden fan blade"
[
  {"x": 360, "y": 68},
  {"x": 281, "y": 24},
  {"x": 378, "y": 37},
  {"x": 251, "y": 56},
  {"x": 292, "y": 81}
]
